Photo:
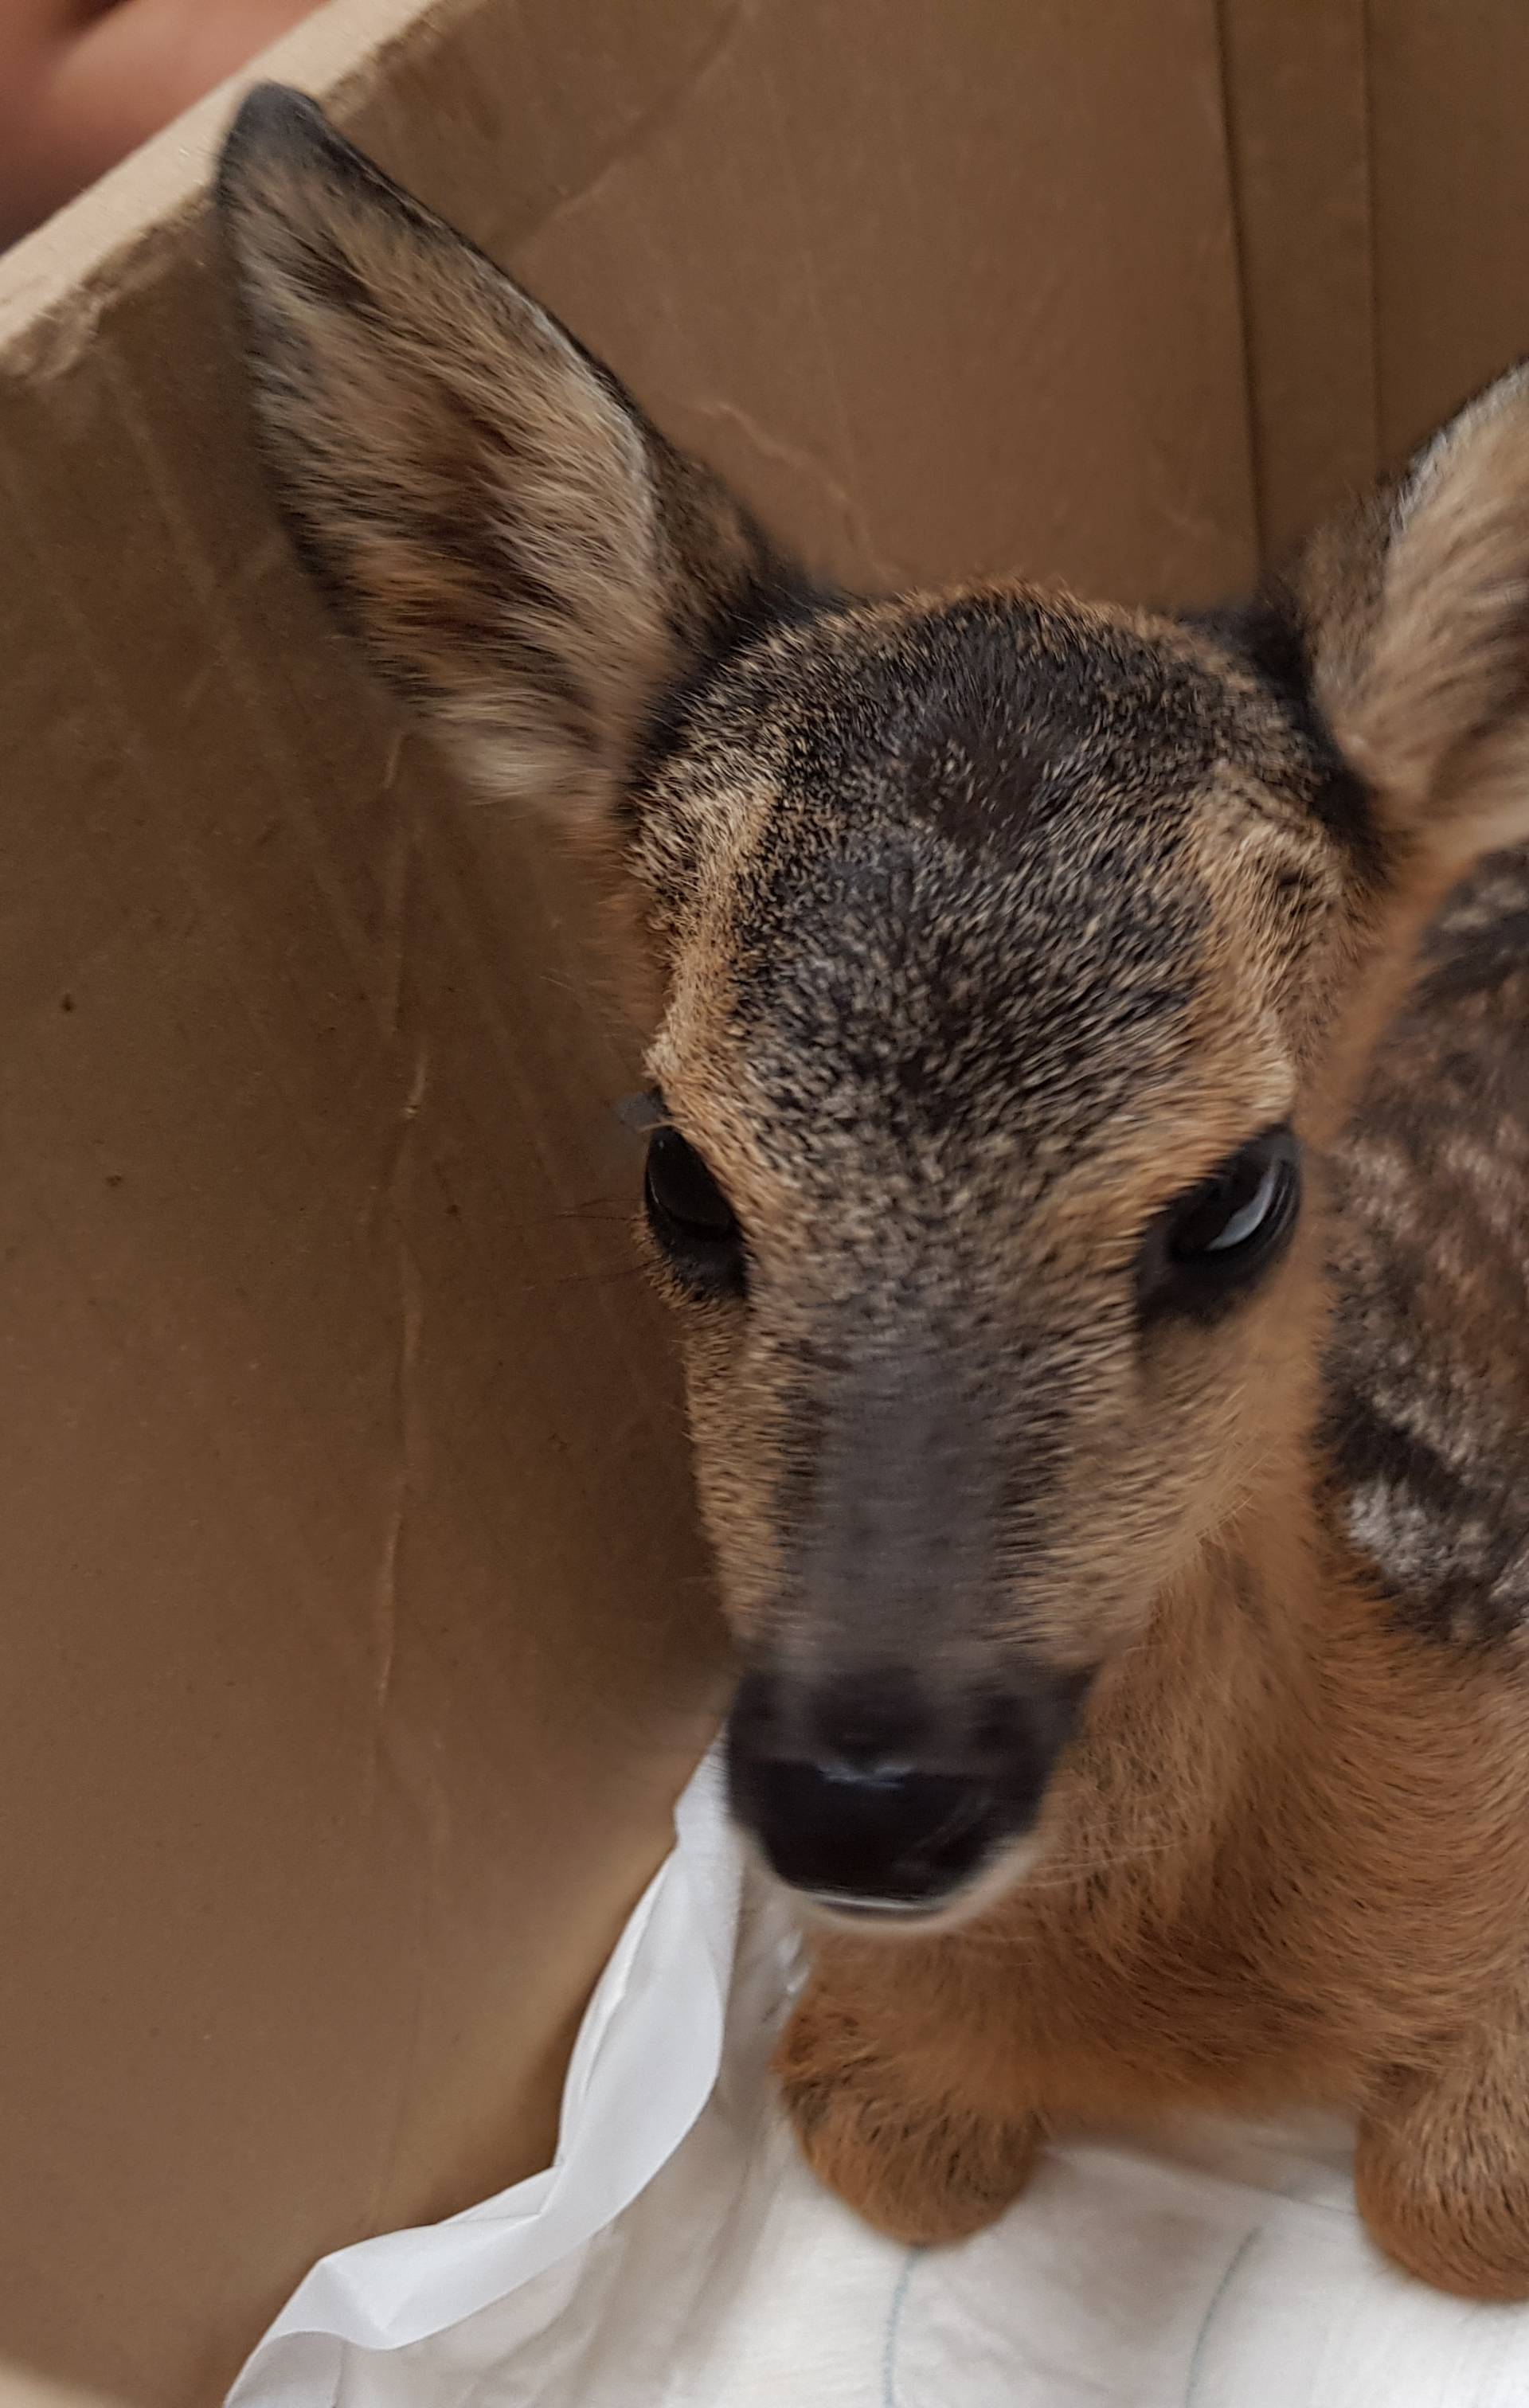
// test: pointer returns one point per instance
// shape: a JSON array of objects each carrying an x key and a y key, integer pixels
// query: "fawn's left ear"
[
  {"x": 1417, "y": 619},
  {"x": 518, "y": 550}
]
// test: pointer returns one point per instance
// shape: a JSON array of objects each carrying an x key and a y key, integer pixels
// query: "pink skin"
[{"x": 82, "y": 82}]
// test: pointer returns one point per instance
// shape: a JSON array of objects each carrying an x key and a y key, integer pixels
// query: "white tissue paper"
[{"x": 679, "y": 2256}]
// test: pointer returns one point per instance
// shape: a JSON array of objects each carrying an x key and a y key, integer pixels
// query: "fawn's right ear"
[
  {"x": 1416, "y": 615},
  {"x": 520, "y": 553}
]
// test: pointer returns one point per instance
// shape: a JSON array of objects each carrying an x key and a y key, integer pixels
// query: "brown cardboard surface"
[
  {"x": 1298, "y": 101},
  {"x": 967, "y": 300},
  {"x": 1452, "y": 203},
  {"x": 1382, "y": 196},
  {"x": 357, "y": 1634}
]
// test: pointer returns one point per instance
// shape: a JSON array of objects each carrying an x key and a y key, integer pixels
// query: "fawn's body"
[{"x": 1138, "y": 1637}]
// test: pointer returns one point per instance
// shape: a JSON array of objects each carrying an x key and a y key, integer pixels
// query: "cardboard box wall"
[{"x": 356, "y": 1637}]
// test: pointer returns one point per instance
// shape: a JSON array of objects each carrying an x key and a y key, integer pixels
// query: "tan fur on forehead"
[
  {"x": 728, "y": 819},
  {"x": 1277, "y": 947}
]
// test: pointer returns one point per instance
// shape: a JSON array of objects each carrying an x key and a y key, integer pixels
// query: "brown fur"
[{"x": 986, "y": 925}]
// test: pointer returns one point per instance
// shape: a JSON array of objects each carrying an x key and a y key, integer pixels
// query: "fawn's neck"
[{"x": 1199, "y": 1730}]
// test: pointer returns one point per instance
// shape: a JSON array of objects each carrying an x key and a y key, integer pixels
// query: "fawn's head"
[{"x": 1015, "y": 956}]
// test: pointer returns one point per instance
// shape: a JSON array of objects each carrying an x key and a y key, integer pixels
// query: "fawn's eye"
[
  {"x": 1220, "y": 1234},
  {"x": 690, "y": 1218}
]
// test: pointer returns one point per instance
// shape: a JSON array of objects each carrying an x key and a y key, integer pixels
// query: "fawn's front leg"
[
  {"x": 887, "y": 2115},
  {"x": 1443, "y": 2161}
]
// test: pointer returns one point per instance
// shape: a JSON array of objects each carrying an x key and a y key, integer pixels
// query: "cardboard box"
[{"x": 357, "y": 1635}]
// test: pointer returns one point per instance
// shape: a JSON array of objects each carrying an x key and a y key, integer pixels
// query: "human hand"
[{"x": 82, "y": 82}]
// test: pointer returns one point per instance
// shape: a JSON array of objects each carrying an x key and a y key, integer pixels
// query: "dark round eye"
[
  {"x": 691, "y": 1217},
  {"x": 1219, "y": 1236}
]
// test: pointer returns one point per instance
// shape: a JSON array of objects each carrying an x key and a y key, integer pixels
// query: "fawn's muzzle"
[{"x": 871, "y": 1799}]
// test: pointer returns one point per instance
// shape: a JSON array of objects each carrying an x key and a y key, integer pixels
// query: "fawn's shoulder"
[{"x": 1428, "y": 1372}]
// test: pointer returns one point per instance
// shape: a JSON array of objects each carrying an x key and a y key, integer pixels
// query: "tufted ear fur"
[
  {"x": 520, "y": 553},
  {"x": 1416, "y": 607}
]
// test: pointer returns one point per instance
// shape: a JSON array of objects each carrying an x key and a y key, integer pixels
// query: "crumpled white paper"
[{"x": 679, "y": 2256}]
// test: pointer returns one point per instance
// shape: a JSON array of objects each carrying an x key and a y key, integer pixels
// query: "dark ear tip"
[{"x": 272, "y": 123}]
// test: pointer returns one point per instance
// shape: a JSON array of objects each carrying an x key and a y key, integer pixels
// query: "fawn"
[{"x": 1092, "y": 1177}]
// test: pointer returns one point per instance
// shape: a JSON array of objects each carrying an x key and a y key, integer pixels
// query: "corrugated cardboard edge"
[{"x": 55, "y": 282}]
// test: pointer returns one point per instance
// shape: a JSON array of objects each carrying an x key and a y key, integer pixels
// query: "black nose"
[
  {"x": 868, "y": 1796},
  {"x": 879, "y": 1840}
]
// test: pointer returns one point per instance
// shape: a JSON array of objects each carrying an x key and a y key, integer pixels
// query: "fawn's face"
[
  {"x": 1001, "y": 939},
  {"x": 1002, "y": 946}
]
